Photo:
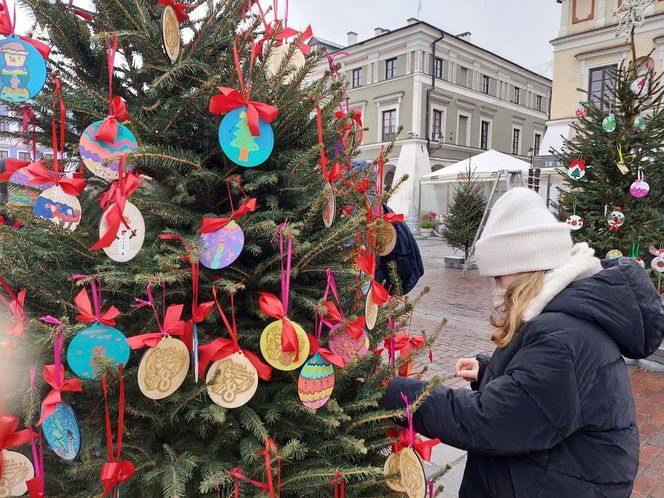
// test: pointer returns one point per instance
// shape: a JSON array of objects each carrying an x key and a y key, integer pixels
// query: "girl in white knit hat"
[{"x": 550, "y": 414}]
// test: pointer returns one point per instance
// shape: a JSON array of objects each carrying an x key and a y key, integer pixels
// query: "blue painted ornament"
[
  {"x": 61, "y": 432},
  {"x": 94, "y": 343},
  {"x": 238, "y": 143},
  {"x": 316, "y": 382},
  {"x": 22, "y": 70},
  {"x": 609, "y": 123}
]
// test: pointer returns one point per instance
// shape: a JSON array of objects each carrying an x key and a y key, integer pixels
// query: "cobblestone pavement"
[{"x": 466, "y": 303}]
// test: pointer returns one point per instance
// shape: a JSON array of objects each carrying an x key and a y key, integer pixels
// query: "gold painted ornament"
[
  {"x": 370, "y": 311},
  {"x": 163, "y": 369},
  {"x": 170, "y": 33},
  {"x": 386, "y": 238},
  {"x": 233, "y": 381},
  {"x": 413, "y": 478},
  {"x": 16, "y": 470},
  {"x": 271, "y": 347},
  {"x": 329, "y": 205},
  {"x": 392, "y": 468}
]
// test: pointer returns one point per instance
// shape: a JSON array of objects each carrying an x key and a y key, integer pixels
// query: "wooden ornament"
[
  {"x": 329, "y": 205},
  {"x": 62, "y": 209},
  {"x": 170, "y": 33},
  {"x": 386, "y": 238},
  {"x": 130, "y": 237},
  {"x": 271, "y": 347},
  {"x": 413, "y": 478},
  {"x": 16, "y": 470},
  {"x": 370, "y": 311},
  {"x": 276, "y": 58},
  {"x": 232, "y": 382},
  {"x": 163, "y": 369},
  {"x": 392, "y": 469}
]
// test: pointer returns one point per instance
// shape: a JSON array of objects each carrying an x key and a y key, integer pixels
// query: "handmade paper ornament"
[
  {"x": 22, "y": 70},
  {"x": 574, "y": 222},
  {"x": 413, "y": 477},
  {"x": 280, "y": 55},
  {"x": 386, "y": 238},
  {"x": 163, "y": 368},
  {"x": 640, "y": 85},
  {"x": 22, "y": 191},
  {"x": 370, "y": 310},
  {"x": 316, "y": 382},
  {"x": 392, "y": 468},
  {"x": 102, "y": 157},
  {"x": 329, "y": 205},
  {"x": 640, "y": 123},
  {"x": 621, "y": 164},
  {"x": 348, "y": 347},
  {"x": 271, "y": 346},
  {"x": 639, "y": 187},
  {"x": 16, "y": 470},
  {"x": 614, "y": 254},
  {"x": 582, "y": 110},
  {"x": 233, "y": 381},
  {"x": 239, "y": 144},
  {"x": 657, "y": 264},
  {"x": 130, "y": 234},
  {"x": 62, "y": 433},
  {"x": 616, "y": 219},
  {"x": 170, "y": 33},
  {"x": 609, "y": 123},
  {"x": 62, "y": 209},
  {"x": 90, "y": 347},
  {"x": 577, "y": 169}
]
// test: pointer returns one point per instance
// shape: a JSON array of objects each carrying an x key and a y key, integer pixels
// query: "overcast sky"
[{"x": 519, "y": 30}]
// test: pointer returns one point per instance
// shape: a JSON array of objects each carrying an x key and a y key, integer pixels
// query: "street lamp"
[{"x": 533, "y": 179}]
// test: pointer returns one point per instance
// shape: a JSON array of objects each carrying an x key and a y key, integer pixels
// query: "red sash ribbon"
[
  {"x": 16, "y": 306},
  {"x": 339, "y": 485},
  {"x": 117, "y": 110},
  {"x": 39, "y": 174},
  {"x": 36, "y": 484},
  {"x": 423, "y": 448},
  {"x": 213, "y": 224},
  {"x": 232, "y": 99},
  {"x": 7, "y": 29},
  {"x": 171, "y": 323},
  {"x": 330, "y": 357},
  {"x": 222, "y": 348},
  {"x": 179, "y": 8},
  {"x": 9, "y": 437},
  {"x": 271, "y": 306},
  {"x": 238, "y": 474},
  {"x": 11, "y": 167},
  {"x": 55, "y": 379},
  {"x": 82, "y": 301}
]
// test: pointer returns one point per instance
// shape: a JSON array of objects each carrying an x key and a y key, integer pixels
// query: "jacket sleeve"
[
  {"x": 532, "y": 407},
  {"x": 483, "y": 360}
]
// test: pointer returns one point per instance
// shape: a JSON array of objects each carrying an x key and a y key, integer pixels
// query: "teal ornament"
[
  {"x": 239, "y": 145},
  {"x": 94, "y": 343},
  {"x": 639, "y": 123},
  {"x": 22, "y": 70},
  {"x": 609, "y": 123},
  {"x": 61, "y": 432}
]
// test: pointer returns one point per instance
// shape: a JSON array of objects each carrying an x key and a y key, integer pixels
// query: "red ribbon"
[
  {"x": 330, "y": 357},
  {"x": 393, "y": 217},
  {"x": 11, "y": 167},
  {"x": 171, "y": 325},
  {"x": 213, "y": 224},
  {"x": 116, "y": 471},
  {"x": 7, "y": 29},
  {"x": 56, "y": 380},
  {"x": 238, "y": 474},
  {"x": 378, "y": 293},
  {"x": 355, "y": 328},
  {"x": 108, "y": 131},
  {"x": 355, "y": 116},
  {"x": 16, "y": 306},
  {"x": 86, "y": 315},
  {"x": 232, "y": 99},
  {"x": 274, "y": 31},
  {"x": 339, "y": 485},
  {"x": 39, "y": 174},
  {"x": 9, "y": 437},
  {"x": 423, "y": 448},
  {"x": 406, "y": 344},
  {"x": 180, "y": 9},
  {"x": 115, "y": 200},
  {"x": 36, "y": 487},
  {"x": 269, "y": 445},
  {"x": 273, "y": 307},
  {"x": 366, "y": 263},
  {"x": 222, "y": 348}
]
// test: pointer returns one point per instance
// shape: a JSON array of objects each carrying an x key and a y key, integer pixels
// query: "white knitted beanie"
[{"x": 522, "y": 235}]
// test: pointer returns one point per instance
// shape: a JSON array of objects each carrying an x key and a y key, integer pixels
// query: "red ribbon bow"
[
  {"x": 108, "y": 131},
  {"x": 378, "y": 293},
  {"x": 272, "y": 307},
  {"x": 273, "y": 30},
  {"x": 172, "y": 325},
  {"x": 393, "y": 217},
  {"x": 213, "y": 224},
  {"x": 232, "y": 99},
  {"x": 406, "y": 344},
  {"x": 330, "y": 357},
  {"x": 222, "y": 348},
  {"x": 7, "y": 29},
  {"x": 11, "y": 167},
  {"x": 238, "y": 474},
  {"x": 355, "y": 328},
  {"x": 423, "y": 448},
  {"x": 180, "y": 9},
  {"x": 59, "y": 385},
  {"x": 16, "y": 306},
  {"x": 113, "y": 474},
  {"x": 366, "y": 263},
  {"x": 86, "y": 315},
  {"x": 39, "y": 175},
  {"x": 9, "y": 437},
  {"x": 36, "y": 487}
]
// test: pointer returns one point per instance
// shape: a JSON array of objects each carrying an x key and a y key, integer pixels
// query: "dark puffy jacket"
[{"x": 554, "y": 415}]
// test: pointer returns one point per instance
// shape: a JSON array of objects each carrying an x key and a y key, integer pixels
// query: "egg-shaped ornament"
[
  {"x": 345, "y": 345},
  {"x": 574, "y": 222},
  {"x": 94, "y": 346},
  {"x": 609, "y": 123},
  {"x": 316, "y": 382},
  {"x": 222, "y": 247},
  {"x": 20, "y": 190},
  {"x": 614, "y": 254},
  {"x": 237, "y": 142},
  {"x": 272, "y": 351},
  {"x": 59, "y": 207},
  {"x": 61, "y": 431},
  {"x": 232, "y": 381},
  {"x": 639, "y": 187},
  {"x": 640, "y": 85},
  {"x": 170, "y": 33},
  {"x": 16, "y": 470},
  {"x": 130, "y": 236},
  {"x": 616, "y": 219},
  {"x": 577, "y": 169},
  {"x": 640, "y": 123},
  {"x": 95, "y": 153},
  {"x": 657, "y": 264},
  {"x": 22, "y": 70},
  {"x": 370, "y": 310},
  {"x": 163, "y": 368},
  {"x": 582, "y": 110},
  {"x": 329, "y": 205},
  {"x": 278, "y": 56}
]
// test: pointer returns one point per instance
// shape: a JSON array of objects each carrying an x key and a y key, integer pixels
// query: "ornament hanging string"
[
  {"x": 213, "y": 224},
  {"x": 8, "y": 25},
  {"x": 86, "y": 312},
  {"x": 269, "y": 445},
  {"x": 36, "y": 484},
  {"x": 170, "y": 324},
  {"x": 237, "y": 181},
  {"x": 335, "y": 172},
  {"x": 339, "y": 484},
  {"x": 117, "y": 110},
  {"x": 238, "y": 474},
  {"x": 30, "y": 119},
  {"x": 15, "y": 304}
]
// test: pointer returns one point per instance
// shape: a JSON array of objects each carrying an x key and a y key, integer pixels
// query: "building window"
[
  {"x": 24, "y": 156},
  {"x": 389, "y": 125},
  {"x": 600, "y": 86},
  {"x": 462, "y": 132},
  {"x": 437, "y": 125},
  {"x": 536, "y": 143},
  {"x": 4, "y": 126},
  {"x": 438, "y": 68},
  {"x": 538, "y": 102},
  {"x": 484, "y": 135},
  {"x": 356, "y": 77},
  {"x": 390, "y": 68},
  {"x": 517, "y": 95},
  {"x": 485, "y": 84},
  {"x": 4, "y": 154},
  {"x": 462, "y": 76},
  {"x": 516, "y": 141}
]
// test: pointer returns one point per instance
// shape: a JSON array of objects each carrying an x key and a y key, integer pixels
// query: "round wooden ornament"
[
  {"x": 370, "y": 311},
  {"x": 276, "y": 59},
  {"x": 59, "y": 207},
  {"x": 386, "y": 238},
  {"x": 22, "y": 70},
  {"x": 392, "y": 469},
  {"x": 129, "y": 239},
  {"x": 271, "y": 347},
  {"x": 97, "y": 342},
  {"x": 163, "y": 369},
  {"x": 170, "y": 33},
  {"x": 233, "y": 381},
  {"x": 329, "y": 205},
  {"x": 16, "y": 470},
  {"x": 413, "y": 478},
  {"x": 95, "y": 152},
  {"x": 62, "y": 433}
]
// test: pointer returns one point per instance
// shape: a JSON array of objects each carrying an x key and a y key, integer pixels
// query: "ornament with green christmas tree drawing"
[
  {"x": 577, "y": 169},
  {"x": 239, "y": 144}
]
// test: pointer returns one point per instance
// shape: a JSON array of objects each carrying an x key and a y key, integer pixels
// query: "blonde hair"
[{"x": 508, "y": 317}]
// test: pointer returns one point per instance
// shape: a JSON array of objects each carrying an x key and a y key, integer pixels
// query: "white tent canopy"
[{"x": 484, "y": 165}]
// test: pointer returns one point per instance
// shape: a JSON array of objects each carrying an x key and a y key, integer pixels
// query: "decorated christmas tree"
[{"x": 166, "y": 225}]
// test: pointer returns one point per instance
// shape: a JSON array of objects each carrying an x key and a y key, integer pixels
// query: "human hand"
[{"x": 467, "y": 368}]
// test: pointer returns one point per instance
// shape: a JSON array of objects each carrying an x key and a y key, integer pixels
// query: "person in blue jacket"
[{"x": 551, "y": 413}]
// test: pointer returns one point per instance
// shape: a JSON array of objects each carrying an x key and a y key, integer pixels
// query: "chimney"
[
  {"x": 465, "y": 36},
  {"x": 413, "y": 20},
  {"x": 380, "y": 31},
  {"x": 352, "y": 38}
]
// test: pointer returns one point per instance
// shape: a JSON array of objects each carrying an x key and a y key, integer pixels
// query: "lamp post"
[{"x": 533, "y": 176}]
